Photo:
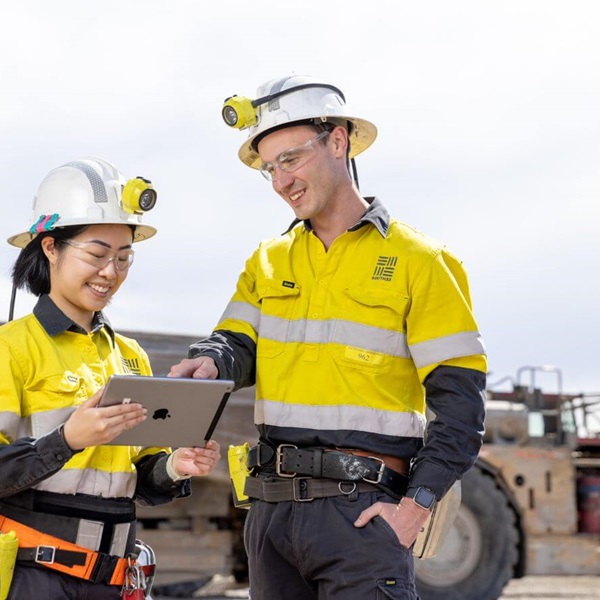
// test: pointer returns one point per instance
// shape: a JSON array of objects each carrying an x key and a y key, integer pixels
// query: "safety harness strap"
[
  {"x": 49, "y": 554},
  {"x": 68, "y": 558}
]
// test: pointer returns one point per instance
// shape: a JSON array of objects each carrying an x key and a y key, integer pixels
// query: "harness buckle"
[
  {"x": 279, "y": 459},
  {"x": 45, "y": 554},
  {"x": 379, "y": 471},
  {"x": 299, "y": 487}
]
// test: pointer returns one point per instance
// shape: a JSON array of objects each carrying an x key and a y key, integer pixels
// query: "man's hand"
[
  {"x": 202, "y": 367},
  {"x": 406, "y": 518}
]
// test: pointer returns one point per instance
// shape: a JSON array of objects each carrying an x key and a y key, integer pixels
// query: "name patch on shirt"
[{"x": 364, "y": 356}]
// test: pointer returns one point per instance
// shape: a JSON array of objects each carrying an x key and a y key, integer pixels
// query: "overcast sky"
[{"x": 489, "y": 140}]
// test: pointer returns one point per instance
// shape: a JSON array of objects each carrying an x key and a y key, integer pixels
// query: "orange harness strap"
[{"x": 31, "y": 538}]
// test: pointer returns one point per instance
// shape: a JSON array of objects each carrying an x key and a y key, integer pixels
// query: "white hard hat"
[
  {"x": 289, "y": 100},
  {"x": 89, "y": 191}
]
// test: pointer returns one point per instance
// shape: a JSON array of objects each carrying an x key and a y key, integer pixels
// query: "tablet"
[{"x": 181, "y": 411}]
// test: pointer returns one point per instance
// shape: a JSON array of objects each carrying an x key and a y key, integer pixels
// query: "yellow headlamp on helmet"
[
  {"x": 239, "y": 112},
  {"x": 138, "y": 196}
]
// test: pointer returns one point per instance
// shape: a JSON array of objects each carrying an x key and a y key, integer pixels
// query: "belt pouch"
[
  {"x": 237, "y": 457},
  {"x": 9, "y": 546}
]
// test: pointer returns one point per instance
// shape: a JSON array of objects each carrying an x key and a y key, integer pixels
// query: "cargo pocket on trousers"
[{"x": 395, "y": 589}]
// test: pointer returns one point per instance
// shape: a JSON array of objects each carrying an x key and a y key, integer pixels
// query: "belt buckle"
[
  {"x": 379, "y": 471},
  {"x": 45, "y": 554},
  {"x": 296, "y": 484},
  {"x": 279, "y": 458}
]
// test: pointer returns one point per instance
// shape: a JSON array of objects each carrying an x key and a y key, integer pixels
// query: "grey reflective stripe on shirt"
[
  {"x": 353, "y": 418},
  {"x": 35, "y": 425},
  {"x": 47, "y": 420},
  {"x": 349, "y": 333},
  {"x": 67, "y": 481},
  {"x": 466, "y": 343},
  {"x": 90, "y": 481},
  {"x": 242, "y": 311},
  {"x": 10, "y": 423},
  {"x": 334, "y": 331}
]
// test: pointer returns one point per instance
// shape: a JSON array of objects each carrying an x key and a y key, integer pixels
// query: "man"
[{"x": 350, "y": 324}]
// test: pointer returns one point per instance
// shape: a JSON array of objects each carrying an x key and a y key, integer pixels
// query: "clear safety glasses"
[
  {"x": 99, "y": 256},
  {"x": 292, "y": 159}
]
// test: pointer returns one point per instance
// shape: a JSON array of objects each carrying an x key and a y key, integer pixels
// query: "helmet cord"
[
  {"x": 354, "y": 172},
  {"x": 11, "y": 310}
]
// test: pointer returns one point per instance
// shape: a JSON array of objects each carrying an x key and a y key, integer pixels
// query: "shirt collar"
[
  {"x": 376, "y": 214},
  {"x": 55, "y": 322}
]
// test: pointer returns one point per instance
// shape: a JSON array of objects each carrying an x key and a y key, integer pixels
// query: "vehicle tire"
[{"x": 478, "y": 557}]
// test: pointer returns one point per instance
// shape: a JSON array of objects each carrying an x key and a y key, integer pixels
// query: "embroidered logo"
[
  {"x": 131, "y": 365},
  {"x": 385, "y": 268}
]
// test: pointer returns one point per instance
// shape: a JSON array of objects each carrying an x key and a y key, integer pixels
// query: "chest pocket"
[
  {"x": 51, "y": 401},
  {"x": 277, "y": 306},
  {"x": 371, "y": 333},
  {"x": 379, "y": 308}
]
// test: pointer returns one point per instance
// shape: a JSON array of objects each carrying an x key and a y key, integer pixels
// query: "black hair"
[{"x": 31, "y": 270}]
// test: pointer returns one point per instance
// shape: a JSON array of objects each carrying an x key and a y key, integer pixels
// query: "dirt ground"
[
  {"x": 553, "y": 588},
  {"x": 528, "y": 588}
]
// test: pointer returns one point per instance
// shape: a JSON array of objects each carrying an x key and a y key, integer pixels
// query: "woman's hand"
[
  {"x": 196, "y": 461},
  {"x": 91, "y": 425}
]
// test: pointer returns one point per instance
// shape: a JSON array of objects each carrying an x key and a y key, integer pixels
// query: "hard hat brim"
[
  {"x": 363, "y": 134},
  {"x": 141, "y": 233}
]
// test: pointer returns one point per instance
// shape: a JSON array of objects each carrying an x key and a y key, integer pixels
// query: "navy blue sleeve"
[
  {"x": 27, "y": 461},
  {"x": 233, "y": 353},
  {"x": 154, "y": 486},
  {"x": 454, "y": 437}
]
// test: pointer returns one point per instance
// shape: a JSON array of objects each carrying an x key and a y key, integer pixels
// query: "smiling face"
[
  {"x": 312, "y": 190},
  {"x": 78, "y": 285}
]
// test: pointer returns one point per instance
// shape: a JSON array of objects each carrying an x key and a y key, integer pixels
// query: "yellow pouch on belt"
[
  {"x": 9, "y": 545},
  {"x": 237, "y": 457}
]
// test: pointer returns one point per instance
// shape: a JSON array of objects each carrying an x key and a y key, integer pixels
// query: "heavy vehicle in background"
[{"x": 530, "y": 505}]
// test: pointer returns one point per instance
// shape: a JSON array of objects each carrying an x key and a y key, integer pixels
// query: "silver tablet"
[{"x": 181, "y": 412}]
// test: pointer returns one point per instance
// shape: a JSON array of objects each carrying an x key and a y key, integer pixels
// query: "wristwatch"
[{"x": 422, "y": 496}]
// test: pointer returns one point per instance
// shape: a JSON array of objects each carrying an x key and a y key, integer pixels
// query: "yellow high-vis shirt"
[
  {"x": 346, "y": 337},
  {"x": 45, "y": 378}
]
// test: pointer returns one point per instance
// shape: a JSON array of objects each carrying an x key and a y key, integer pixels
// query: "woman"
[{"x": 70, "y": 498}]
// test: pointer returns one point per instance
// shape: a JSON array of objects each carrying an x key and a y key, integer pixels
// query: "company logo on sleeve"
[{"x": 384, "y": 269}]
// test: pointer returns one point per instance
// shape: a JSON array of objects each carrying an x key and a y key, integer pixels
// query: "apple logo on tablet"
[{"x": 161, "y": 413}]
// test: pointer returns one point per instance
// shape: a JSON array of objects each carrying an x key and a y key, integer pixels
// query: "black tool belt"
[
  {"x": 287, "y": 460},
  {"x": 302, "y": 489}
]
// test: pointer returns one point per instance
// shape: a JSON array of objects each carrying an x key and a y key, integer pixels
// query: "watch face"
[{"x": 424, "y": 498}]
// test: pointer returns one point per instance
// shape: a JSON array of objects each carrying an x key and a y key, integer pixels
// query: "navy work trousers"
[
  {"x": 41, "y": 582},
  {"x": 311, "y": 550}
]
